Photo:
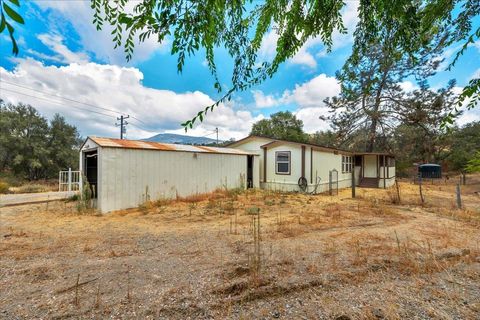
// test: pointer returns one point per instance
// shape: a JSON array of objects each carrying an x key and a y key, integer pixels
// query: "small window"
[
  {"x": 282, "y": 162},
  {"x": 391, "y": 161},
  {"x": 347, "y": 164}
]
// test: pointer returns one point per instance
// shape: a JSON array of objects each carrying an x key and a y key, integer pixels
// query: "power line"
[
  {"x": 59, "y": 103},
  {"x": 65, "y": 98}
]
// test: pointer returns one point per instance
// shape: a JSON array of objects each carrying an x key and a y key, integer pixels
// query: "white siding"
[
  {"x": 125, "y": 175},
  {"x": 254, "y": 146},
  {"x": 323, "y": 163},
  {"x": 370, "y": 163}
]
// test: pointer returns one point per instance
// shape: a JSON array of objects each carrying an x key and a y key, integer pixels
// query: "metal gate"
[
  {"x": 69, "y": 180},
  {"x": 333, "y": 182}
]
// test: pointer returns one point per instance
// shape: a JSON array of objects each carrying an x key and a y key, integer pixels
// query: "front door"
[{"x": 370, "y": 166}]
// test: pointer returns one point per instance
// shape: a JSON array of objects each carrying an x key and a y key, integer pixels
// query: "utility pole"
[
  {"x": 216, "y": 130},
  {"x": 122, "y": 125}
]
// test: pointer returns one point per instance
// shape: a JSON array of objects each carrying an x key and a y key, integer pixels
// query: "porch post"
[{"x": 384, "y": 177}]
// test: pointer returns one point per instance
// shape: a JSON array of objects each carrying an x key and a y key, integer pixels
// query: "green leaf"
[
  {"x": 2, "y": 24},
  {"x": 15, "y": 2},
  {"x": 12, "y": 14}
]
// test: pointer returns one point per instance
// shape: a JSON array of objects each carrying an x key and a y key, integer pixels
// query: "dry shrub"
[
  {"x": 4, "y": 187},
  {"x": 32, "y": 188},
  {"x": 333, "y": 210}
]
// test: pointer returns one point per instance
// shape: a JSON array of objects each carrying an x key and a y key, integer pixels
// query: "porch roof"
[{"x": 374, "y": 154}]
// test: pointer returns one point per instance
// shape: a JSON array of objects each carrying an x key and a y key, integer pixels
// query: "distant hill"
[{"x": 180, "y": 139}]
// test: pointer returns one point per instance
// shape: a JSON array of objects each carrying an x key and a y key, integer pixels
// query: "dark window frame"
[{"x": 289, "y": 163}]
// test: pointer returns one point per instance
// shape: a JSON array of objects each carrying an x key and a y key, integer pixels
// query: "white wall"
[
  {"x": 370, "y": 163},
  {"x": 126, "y": 176},
  {"x": 254, "y": 145}
]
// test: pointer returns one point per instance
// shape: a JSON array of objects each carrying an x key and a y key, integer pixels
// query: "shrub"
[
  {"x": 32, "y": 188},
  {"x": 4, "y": 187}
]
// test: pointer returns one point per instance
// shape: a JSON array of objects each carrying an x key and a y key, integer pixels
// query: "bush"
[
  {"x": 4, "y": 187},
  {"x": 32, "y": 188}
]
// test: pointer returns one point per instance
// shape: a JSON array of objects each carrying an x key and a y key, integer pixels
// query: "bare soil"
[{"x": 322, "y": 257}]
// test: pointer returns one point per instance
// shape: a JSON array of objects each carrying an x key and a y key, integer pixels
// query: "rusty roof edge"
[{"x": 167, "y": 147}]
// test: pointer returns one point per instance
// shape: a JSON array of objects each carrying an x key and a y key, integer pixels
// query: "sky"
[{"x": 66, "y": 66}]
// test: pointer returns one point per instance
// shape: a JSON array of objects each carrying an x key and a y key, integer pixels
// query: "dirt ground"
[{"x": 316, "y": 257}]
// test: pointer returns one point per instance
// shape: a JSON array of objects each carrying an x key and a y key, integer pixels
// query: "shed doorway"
[
  {"x": 91, "y": 171},
  {"x": 249, "y": 172}
]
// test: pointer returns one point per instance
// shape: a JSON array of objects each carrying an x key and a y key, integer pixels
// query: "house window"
[
  {"x": 391, "y": 161},
  {"x": 282, "y": 162},
  {"x": 347, "y": 164}
]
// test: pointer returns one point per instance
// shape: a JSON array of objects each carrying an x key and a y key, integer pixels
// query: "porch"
[{"x": 374, "y": 170}]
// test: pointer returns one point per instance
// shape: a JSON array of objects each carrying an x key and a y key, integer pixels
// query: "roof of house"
[
  {"x": 149, "y": 145},
  {"x": 317, "y": 146}
]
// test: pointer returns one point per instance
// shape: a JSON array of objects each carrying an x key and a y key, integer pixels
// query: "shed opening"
[
  {"x": 249, "y": 172},
  {"x": 91, "y": 171}
]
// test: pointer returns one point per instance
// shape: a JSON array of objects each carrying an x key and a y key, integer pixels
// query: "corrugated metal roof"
[{"x": 149, "y": 145}]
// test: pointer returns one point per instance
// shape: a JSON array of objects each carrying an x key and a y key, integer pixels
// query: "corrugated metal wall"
[{"x": 128, "y": 177}]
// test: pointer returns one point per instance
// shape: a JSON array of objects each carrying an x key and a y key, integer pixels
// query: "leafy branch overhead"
[
  {"x": 201, "y": 27},
  {"x": 8, "y": 17},
  {"x": 238, "y": 26},
  {"x": 411, "y": 27}
]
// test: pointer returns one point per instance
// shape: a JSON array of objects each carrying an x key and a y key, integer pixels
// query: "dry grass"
[{"x": 319, "y": 257}]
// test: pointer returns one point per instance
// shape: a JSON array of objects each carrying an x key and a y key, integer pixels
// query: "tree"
[
  {"x": 324, "y": 138},
  {"x": 464, "y": 143},
  {"x": 63, "y": 143},
  {"x": 370, "y": 88},
  {"x": 240, "y": 26},
  {"x": 30, "y": 147},
  {"x": 281, "y": 125},
  {"x": 473, "y": 164}
]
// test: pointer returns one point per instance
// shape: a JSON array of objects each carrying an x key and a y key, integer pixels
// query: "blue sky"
[{"x": 61, "y": 54}]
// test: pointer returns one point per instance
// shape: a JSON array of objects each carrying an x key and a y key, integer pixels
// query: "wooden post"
[
  {"x": 420, "y": 186},
  {"x": 353, "y": 182},
  {"x": 459, "y": 197},
  {"x": 398, "y": 190}
]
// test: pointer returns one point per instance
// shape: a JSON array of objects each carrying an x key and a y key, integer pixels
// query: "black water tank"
[{"x": 430, "y": 170}]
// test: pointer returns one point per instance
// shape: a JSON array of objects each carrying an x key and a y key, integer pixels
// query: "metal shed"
[
  {"x": 430, "y": 171},
  {"x": 126, "y": 173}
]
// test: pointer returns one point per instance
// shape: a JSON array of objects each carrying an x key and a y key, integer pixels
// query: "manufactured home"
[
  {"x": 291, "y": 166},
  {"x": 126, "y": 173}
]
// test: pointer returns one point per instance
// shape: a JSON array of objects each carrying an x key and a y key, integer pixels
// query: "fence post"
[
  {"x": 353, "y": 182},
  {"x": 330, "y": 182},
  {"x": 69, "y": 179},
  {"x": 459, "y": 197},
  {"x": 420, "y": 186},
  {"x": 60, "y": 181}
]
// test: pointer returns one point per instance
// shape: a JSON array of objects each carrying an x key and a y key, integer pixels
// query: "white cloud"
[
  {"x": 312, "y": 93},
  {"x": 80, "y": 15},
  {"x": 303, "y": 57},
  {"x": 308, "y": 97},
  {"x": 408, "y": 86},
  {"x": 119, "y": 89},
  {"x": 264, "y": 101},
  {"x": 62, "y": 53},
  {"x": 311, "y": 120}
]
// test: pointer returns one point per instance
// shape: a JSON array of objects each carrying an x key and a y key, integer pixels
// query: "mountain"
[{"x": 180, "y": 139}]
